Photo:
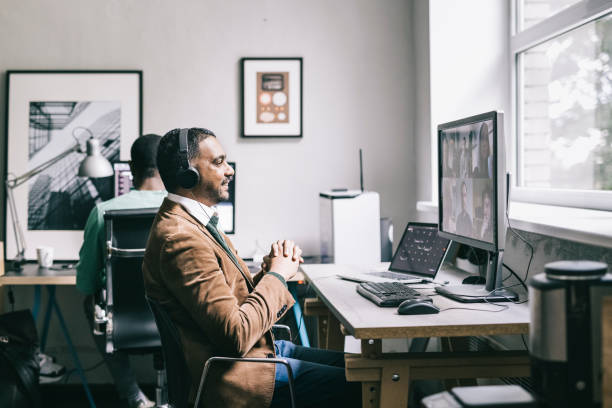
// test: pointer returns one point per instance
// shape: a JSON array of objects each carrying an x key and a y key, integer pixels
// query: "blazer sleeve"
[{"x": 192, "y": 272}]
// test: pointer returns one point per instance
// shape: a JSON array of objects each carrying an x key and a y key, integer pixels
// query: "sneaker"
[
  {"x": 49, "y": 370},
  {"x": 141, "y": 402}
]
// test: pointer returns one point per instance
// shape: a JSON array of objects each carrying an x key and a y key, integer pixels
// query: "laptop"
[{"x": 417, "y": 258}]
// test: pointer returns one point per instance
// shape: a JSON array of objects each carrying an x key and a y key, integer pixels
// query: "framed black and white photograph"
[
  {"x": 57, "y": 111},
  {"x": 272, "y": 97}
]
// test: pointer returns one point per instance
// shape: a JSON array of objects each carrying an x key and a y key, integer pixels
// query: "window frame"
[{"x": 560, "y": 23}]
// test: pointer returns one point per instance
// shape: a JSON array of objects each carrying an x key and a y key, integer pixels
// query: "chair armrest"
[
  {"x": 212, "y": 360},
  {"x": 281, "y": 332}
]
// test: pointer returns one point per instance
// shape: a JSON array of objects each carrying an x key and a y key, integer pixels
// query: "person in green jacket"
[{"x": 91, "y": 277}]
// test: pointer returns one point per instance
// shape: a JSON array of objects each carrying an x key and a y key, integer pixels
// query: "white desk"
[{"x": 386, "y": 377}]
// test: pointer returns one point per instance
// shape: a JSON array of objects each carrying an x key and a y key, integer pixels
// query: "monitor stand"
[{"x": 482, "y": 293}]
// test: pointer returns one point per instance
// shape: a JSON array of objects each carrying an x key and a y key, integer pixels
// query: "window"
[
  {"x": 563, "y": 109},
  {"x": 533, "y": 11}
]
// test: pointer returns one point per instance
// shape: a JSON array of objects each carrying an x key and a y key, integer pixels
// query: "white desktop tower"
[{"x": 350, "y": 227}]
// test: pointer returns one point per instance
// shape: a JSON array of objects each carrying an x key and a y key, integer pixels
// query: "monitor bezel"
[{"x": 499, "y": 177}]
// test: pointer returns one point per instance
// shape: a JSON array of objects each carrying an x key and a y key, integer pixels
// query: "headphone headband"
[
  {"x": 183, "y": 143},
  {"x": 187, "y": 177}
]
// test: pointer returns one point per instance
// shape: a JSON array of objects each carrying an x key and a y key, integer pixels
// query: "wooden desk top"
[
  {"x": 364, "y": 320},
  {"x": 33, "y": 275}
]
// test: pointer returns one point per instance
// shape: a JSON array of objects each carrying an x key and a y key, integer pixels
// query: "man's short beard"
[{"x": 213, "y": 194}]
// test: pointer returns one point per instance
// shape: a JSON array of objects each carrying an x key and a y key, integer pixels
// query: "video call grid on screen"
[
  {"x": 420, "y": 250},
  {"x": 468, "y": 181}
]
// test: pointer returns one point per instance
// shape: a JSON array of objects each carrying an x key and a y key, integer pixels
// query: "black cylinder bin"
[{"x": 565, "y": 332}]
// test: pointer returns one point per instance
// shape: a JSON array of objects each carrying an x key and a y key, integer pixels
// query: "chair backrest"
[
  {"x": 179, "y": 378},
  {"x": 132, "y": 325}
]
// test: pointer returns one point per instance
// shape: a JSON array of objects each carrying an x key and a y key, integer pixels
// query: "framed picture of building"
[
  {"x": 48, "y": 113},
  {"x": 271, "y": 97}
]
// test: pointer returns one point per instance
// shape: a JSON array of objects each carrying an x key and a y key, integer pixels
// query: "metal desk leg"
[
  {"x": 45, "y": 328},
  {"x": 36, "y": 305},
  {"x": 75, "y": 357},
  {"x": 299, "y": 317}
]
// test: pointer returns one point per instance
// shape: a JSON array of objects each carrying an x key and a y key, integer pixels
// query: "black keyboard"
[{"x": 388, "y": 294}]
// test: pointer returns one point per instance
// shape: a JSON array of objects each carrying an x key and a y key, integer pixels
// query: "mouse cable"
[
  {"x": 510, "y": 300},
  {"x": 501, "y": 307}
]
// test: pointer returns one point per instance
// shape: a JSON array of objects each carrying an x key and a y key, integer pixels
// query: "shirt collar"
[{"x": 199, "y": 211}]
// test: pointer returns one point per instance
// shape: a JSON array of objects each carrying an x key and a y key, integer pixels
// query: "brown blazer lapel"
[{"x": 178, "y": 209}]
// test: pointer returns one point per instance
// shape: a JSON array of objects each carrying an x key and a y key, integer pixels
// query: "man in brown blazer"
[{"x": 194, "y": 271}]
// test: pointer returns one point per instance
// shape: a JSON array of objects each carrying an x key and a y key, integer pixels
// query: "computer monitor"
[
  {"x": 123, "y": 178},
  {"x": 472, "y": 197},
  {"x": 226, "y": 209}
]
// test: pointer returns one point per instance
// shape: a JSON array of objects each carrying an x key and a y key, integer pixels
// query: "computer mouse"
[
  {"x": 416, "y": 307},
  {"x": 474, "y": 280}
]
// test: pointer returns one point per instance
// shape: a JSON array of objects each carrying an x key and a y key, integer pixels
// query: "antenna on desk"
[{"x": 360, "y": 170}]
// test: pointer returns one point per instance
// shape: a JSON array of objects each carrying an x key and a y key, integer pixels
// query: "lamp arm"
[
  {"x": 11, "y": 183},
  {"x": 17, "y": 230}
]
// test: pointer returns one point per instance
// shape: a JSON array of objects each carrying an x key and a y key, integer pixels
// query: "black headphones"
[{"x": 187, "y": 177}]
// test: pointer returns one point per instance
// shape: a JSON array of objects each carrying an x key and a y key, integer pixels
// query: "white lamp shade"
[{"x": 95, "y": 165}]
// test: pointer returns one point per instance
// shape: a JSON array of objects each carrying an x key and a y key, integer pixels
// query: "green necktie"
[{"x": 212, "y": 228}]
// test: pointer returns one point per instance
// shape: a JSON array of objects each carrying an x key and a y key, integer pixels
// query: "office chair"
[
  {"x": 179, "y": 379},
  {"x": 130, "y": 325}
]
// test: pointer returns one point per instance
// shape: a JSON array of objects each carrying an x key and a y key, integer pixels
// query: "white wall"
[
  {"x": 358, "y": 71},
  {"x": 469, "y": 66},
  {"x": 358, "y": 92},
  {"x": 422, "y": 119}
]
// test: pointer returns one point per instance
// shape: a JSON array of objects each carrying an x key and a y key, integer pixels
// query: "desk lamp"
[{"x": 94, "y": 165}]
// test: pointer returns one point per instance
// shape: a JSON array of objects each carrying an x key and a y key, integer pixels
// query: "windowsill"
[{"x": 574, "y": 224}]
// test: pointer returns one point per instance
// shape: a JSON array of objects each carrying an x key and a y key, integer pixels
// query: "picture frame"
[
  {"x": 46, "y": 114},
  {"x": 271, "y": 97}
]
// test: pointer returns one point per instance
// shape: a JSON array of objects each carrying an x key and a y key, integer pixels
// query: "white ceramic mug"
[{"x": 45, "y": 256}]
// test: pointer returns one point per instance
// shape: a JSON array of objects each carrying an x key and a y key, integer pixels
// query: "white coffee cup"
[{"x": 45, "y": 256}]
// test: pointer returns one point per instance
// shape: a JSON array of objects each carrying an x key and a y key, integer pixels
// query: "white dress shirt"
[{"x": 199, "y": 211}]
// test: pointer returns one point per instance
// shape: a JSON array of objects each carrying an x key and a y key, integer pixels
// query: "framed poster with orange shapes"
[{"x": 271, "y": 97}]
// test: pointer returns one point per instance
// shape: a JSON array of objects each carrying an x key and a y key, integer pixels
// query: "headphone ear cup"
[{"x": 188, "y": 178}]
